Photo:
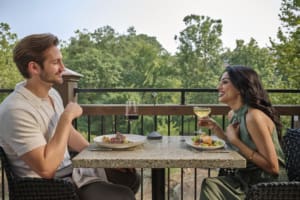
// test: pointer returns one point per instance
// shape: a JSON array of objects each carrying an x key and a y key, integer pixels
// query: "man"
[{"x": 36, "y": 130}]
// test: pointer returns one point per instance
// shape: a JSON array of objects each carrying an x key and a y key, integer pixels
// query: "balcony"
[{"x": 98, "y": 119}]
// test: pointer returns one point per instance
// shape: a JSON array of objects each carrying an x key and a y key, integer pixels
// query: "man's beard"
[{"x": 53, "y": 80}]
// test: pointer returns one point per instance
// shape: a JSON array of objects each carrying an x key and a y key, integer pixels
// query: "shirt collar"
[{"x": 22, "y": 90}]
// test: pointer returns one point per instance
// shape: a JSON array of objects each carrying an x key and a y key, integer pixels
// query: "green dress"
[{"x": 236, "y": 186}]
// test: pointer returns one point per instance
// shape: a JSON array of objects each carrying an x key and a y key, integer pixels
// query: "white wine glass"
[
  {"x": 201, "y": 112},
  {"x": 131, "y": 112}
]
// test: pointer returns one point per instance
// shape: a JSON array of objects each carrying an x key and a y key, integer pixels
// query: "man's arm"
[
  {"x": 76, "y": 141},
  {"x": 45, "y": 159}
]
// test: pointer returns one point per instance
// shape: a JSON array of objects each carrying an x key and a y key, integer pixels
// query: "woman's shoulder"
[{"x": 257, "y": 116}]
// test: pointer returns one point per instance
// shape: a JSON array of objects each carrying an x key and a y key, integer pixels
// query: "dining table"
[{"x": 168, "y": 152}]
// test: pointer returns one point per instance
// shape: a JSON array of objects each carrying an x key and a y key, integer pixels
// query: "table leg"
[{"x": 158, "y": 183}]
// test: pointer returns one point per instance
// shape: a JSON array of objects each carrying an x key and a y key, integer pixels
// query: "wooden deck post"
[{"x": 66, "y": 90}]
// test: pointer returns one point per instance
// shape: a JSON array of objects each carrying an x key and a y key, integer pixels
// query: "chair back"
[
  {"x": 30, "y": 188},
  {"x": 291, "y": 148},
  {"x": 6, "y": 166}
]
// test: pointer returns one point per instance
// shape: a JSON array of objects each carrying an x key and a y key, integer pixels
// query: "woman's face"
[{"x": 228, "y": 94}]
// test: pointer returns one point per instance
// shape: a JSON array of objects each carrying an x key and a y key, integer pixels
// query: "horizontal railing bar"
[
  {"x": 6, "y": 90},
  {"x": 79, "y": 90},
  {"x": 85, "y": 90},
  {"x": 283, "y": 91},
  {"x": 171, "y": 109}
]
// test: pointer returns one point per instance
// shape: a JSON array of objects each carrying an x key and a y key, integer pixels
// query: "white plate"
[
  {"x": 134, "y": 140},
  {"x": 191, "y": 143}
]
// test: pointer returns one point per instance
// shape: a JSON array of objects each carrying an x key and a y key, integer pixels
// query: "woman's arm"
[{"x": 260, "y": 128}]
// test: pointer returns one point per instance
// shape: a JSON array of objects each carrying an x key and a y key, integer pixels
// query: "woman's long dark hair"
[{"x": 248, "y": 83}]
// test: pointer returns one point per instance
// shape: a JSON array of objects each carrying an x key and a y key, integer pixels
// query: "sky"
[{"x": 163, "y": 19}]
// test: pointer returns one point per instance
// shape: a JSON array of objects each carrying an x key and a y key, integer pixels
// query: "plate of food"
[
  {"x": 203, "y": 141},
  {"x": 119, "y": 140}
]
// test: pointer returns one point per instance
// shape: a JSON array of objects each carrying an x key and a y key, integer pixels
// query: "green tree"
[
  {"x": 9, "y": 73},
  {"x": 260, "y": 59},
  {"x": 287, "y": 50},
  {"x": 199, "y": 51},
  {"x": 198, "y": 60},
  {"x": 146, "y": 64}
]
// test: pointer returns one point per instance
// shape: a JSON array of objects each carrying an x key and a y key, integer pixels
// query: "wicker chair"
[
  {"x": 288, "y": 190},
  {"x": 26, "y": 188}
]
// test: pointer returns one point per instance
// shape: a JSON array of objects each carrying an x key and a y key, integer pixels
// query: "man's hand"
[{"x": 72, "y": 110}]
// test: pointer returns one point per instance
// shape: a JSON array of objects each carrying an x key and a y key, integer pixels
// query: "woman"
[{"x": 254, "y": 130}]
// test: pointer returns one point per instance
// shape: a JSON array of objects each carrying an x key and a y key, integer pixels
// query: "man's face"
[{"x": 53, "y": 66}]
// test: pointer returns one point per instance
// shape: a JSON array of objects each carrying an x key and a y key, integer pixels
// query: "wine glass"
[
  {"x": 201, "y": 112},
  {"x": 131, "y": 112}
]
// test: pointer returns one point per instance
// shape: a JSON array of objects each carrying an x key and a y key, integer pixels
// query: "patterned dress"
[{"x": 236, "y": 186}]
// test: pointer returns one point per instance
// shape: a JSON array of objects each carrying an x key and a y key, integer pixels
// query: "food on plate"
[
  {"x": 117, "y": 139},
  {"x": 206, "y": 141}
]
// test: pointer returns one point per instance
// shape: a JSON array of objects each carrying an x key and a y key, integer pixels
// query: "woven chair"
[
  {"x": 27, "y": 188},
  {"x": 287, "y": 190}
]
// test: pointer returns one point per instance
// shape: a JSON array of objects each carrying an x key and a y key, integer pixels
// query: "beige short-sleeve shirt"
[{"x": 28, "y": 122}]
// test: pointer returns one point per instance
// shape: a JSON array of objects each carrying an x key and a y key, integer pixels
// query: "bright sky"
[{"x": 241, "y": 19}]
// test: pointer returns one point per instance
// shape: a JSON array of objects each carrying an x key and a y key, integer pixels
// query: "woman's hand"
[
  {"x": 207, "y": 122},
  {"x": 232, "y": 133},
  {"x": 213, "y": 126}
]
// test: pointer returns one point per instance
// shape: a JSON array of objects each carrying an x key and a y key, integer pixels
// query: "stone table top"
[{"x": 169, "y": 152}]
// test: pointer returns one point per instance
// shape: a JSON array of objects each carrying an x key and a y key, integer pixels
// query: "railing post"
[
  {"x": 296, "y": 121},
  {"x": 66, "y": 90}
]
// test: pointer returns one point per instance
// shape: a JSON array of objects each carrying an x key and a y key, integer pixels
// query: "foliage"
[
  {"x": 163, "y": 127},
  {"x": 199, "y": 52},
  {"x": 287, "y": 51},
  {"x": 107, "y": 59},
  {"x": 198, "y": 61},
  {"x": 260, "y": 59},
  {"x": 96, "y": 65},
  {"x": 9, "y": 73}
]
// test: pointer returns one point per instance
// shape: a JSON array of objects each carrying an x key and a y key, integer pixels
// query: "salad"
[{"x": 205, "y": 140}]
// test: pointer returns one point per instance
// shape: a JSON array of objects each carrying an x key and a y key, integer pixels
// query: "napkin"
[{"x": 84, "y": 176}]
